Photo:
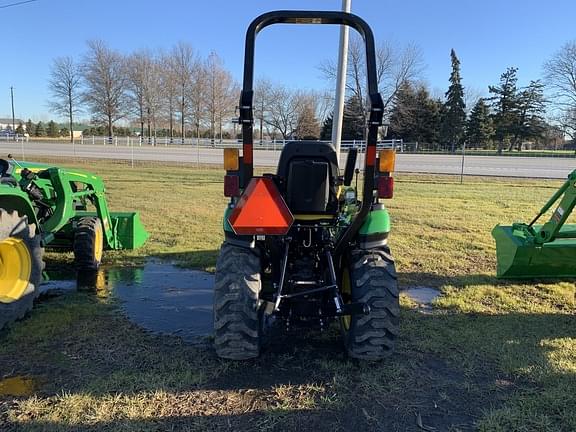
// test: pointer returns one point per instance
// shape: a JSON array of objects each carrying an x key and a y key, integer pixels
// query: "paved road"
[{"x": 438, "y": 164}]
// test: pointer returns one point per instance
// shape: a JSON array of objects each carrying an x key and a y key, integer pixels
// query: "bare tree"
[
  {"x": 262, "y": 97},
  {"x": 105, "y": 79},
  {"x": 283, "y": 110},
  {"x": 394, "y": 66},
  {"x": 65, "y": 83},
  {"x": 183, "y": 62},
  {"x": 168, "y": 92},
  {"x": 307, "y": 126},
  {"x": 324, "y": 102},
  {"x": 221, "y": 93},
  {"x": 197, "y": 97},
  {"x": 560, "y": 76},
  {"x": 153, "y": 96},
  {"x": 138, "y": 69},
  {"x": 566, "y": 121},
  {"x": 471, "y": 97}
]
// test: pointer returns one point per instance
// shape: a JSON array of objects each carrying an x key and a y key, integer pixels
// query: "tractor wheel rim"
[
  {"x": 98, "y": 245},
  {"x": 347, "y": 294},
  {"x": 15, "y": 269}
]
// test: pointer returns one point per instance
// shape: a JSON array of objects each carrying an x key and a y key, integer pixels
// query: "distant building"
[{"x": 5, "y": 122}]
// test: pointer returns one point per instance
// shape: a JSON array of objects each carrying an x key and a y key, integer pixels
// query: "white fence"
[
  {"x": 13, "y": 137},
  {"x": 216, "y": 143}
]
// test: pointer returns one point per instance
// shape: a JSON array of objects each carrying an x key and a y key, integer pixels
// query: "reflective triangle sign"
[{"x": 261, "y": 210}]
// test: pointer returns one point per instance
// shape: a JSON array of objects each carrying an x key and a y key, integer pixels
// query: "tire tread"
[
  {"x": 373, "y": 279},
  {"x": 236, "y": 291}
]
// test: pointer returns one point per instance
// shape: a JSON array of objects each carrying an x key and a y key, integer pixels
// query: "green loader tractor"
[
  {"x": 46, "y": 206},
  {"x": 301, "y": 246}
]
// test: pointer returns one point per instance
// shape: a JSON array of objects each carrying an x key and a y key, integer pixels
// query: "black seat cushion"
[{"x": 309, "y": 172}]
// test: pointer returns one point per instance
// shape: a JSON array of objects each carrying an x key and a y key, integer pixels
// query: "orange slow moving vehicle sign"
[{"x": 261, "y": 210}]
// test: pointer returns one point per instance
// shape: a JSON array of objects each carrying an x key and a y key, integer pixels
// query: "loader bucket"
[
  {"x": 130, "y": 233},
  {"x": 519, "y": 257}
]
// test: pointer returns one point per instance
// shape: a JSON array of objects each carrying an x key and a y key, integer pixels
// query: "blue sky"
[{"x": 488, "y": 36}]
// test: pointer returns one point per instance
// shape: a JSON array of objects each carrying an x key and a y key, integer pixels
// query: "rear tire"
[
  {"x": 16, "y": 227},
  {"x": 236, "y": 317},
  {"x": 373, "y": 281},
  {"x": 88, "y": 244}
]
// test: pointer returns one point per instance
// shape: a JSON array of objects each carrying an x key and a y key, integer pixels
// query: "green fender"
[
  {"x": 14, "y": 199},
  {"x": 374, "y": 231}
]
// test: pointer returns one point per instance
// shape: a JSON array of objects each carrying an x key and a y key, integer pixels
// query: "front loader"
[
  {"x": 47, "y": 206},
  {"x": 302, "y": 245},
  {"x": 529, "y": 251}
]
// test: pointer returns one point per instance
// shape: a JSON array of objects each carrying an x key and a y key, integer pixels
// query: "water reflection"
[{"x": 159, "y": 297}]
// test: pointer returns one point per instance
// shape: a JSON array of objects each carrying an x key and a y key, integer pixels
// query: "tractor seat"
[{"x": 309, "y": 170}]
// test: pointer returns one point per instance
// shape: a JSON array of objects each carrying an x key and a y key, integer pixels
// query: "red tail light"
[
  {"x": 231, "y": 186},
  {"x": 261, "y": 210},
  {"x": 385, "y": 187}
]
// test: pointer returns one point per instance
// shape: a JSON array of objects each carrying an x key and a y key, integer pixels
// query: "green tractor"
[
  {"x": 301, "y": 246},
  {"x": 46, "y": 206}
]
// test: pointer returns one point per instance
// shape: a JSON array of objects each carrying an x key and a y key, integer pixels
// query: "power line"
[{"x": 17, "y": 3}]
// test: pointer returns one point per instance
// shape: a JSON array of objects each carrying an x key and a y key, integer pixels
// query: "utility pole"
[
  {"x": 340, "y": 83},
  {"x": 13, "y": 118}
]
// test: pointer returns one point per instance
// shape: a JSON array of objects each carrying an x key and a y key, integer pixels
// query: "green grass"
[{"x": 491, "y": 355}]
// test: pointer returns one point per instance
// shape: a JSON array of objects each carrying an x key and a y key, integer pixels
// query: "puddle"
[
  {"x": 18, "y": 386},
  {"x": 422, "y": 295},
  {"x": 159, "y": 297}
]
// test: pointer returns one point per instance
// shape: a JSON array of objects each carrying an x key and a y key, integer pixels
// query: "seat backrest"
[{"x": 309, "y": 172}]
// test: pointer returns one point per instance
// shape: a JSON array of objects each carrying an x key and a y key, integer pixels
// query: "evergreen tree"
[
  {"x": 454, "y": 118},
  {"x": 518, "y": 113},
  {"x": 326, "y": 131},
  {"x": 53, "y": 131},
  {"x": 479, "y": 128},
  {"x": 530, "y": 123},
  {"x": 30, "y": 127},
  {"x": 415, "y": 116},
  {"x": 402, "y": 114},
  {"x": 40, "y": 131},
  {"x": 352, "y": 123},
  {"x": 429, "y": 114},
  {"x": 20, "y": 129},
  {"x": 504, "y": 105}
]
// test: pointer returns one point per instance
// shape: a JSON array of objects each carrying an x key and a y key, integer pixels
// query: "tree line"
[
  {"x": 178, "y": 93},
  {"x": 508, "y": 117},
  {"x": 175, "y": 91}
]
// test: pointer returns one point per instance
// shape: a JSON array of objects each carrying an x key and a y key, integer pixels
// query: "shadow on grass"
[
  {"x": 448, "y": 371},
  {"x": 256, "y": 420}
]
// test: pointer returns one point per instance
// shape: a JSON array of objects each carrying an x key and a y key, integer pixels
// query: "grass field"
[{"x": 490, "y": 355}]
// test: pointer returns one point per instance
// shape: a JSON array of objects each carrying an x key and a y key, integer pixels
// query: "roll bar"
[{"x": 376, "y": 104}]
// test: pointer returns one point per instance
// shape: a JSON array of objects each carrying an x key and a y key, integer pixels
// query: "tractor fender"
[
  {"x": 13, "y": 199},
  {"x": 375, "y": 229}
]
